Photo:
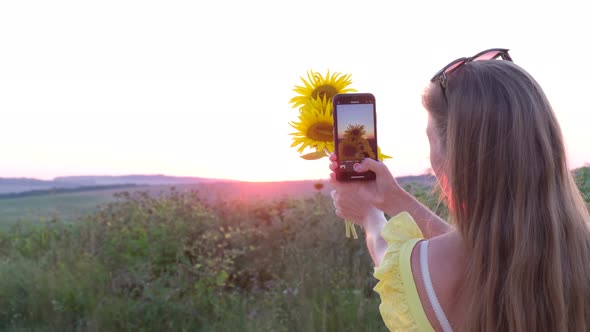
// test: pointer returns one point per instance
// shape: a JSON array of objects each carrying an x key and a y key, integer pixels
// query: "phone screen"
[{"x": 355, "y": 134}]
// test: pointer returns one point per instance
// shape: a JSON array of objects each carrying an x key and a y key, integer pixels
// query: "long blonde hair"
[{"x": 514, "y": 201}]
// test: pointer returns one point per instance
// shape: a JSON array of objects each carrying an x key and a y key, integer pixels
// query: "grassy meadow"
[
  {"x": 177, "y": 261},
  {"x": 65, "y": 206}
]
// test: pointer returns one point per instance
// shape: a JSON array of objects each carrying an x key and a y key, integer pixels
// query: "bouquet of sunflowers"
[{"x": 315, "y": 125}]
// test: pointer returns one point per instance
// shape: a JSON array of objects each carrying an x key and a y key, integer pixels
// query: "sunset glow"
[{"x": 192, "y": 89}]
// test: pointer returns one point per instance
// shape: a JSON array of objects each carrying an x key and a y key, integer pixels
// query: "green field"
[
  {"x": 173, "y": 262},
  {"x": 64, "y": 206},
  {"x": 70, "y": 206},
  {"x": 176, "y": 260}
]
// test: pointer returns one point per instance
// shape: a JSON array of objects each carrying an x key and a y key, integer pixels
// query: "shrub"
[{"x": 171, "y": 261}]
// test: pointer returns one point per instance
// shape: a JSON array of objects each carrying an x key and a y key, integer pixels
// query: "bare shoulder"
[{"x": 446, "y": 262}]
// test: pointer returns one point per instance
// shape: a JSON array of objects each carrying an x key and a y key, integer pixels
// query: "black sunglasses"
[{"x": 490, "y": 54}]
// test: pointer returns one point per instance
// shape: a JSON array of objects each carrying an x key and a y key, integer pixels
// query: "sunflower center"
[
  {"x": 324, "y": 91},
  {"x": 349, "y": 150},
  {"x": 320, "y": 131}
]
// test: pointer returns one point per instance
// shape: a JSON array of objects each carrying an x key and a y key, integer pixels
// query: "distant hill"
[
  {"x": 152, "y": 180},
  {"x": 16, "y": 187},
  {"x": 19, "y": 185},
  {"x": 58, "y": 191},
  {"x": 71, "y": 197},
  {"x": 210, "y": 189},
  {"x": 22, "y": 182},
  {"x": 424, "y": 180},
  {"x": 216, "y": 186}
]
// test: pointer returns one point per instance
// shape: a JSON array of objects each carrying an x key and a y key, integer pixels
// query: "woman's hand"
[
  {"x": 354, "y": 200},
  {"x": 351, "y": 206},
  {"x": 357, "y": 200}
]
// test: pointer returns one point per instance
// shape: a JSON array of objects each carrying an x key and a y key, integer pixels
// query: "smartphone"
[{"x": 355, "y": 133}]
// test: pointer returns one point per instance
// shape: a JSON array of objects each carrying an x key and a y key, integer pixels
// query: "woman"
[{"x": 516, "y": 255}]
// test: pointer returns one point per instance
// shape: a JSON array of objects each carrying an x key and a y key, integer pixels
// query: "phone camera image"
[
  {"x": 356, "y": 141},
  {"x": 355, "y": 133}
]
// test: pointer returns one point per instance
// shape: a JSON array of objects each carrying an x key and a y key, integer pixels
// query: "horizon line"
[
  {"x": 229, "y": 179},
  {"x": 408, "y": 174}
]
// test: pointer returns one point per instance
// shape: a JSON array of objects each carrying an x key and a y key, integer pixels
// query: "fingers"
[
  {"x": 333, "y": 178},
  {"x": 333, "y": 162},
  {"x": 369, "y": 164},
  {"x": 335, "y": 198},
  {"x": 347, "y": 205},
  {"x": 333, "y": 166},
  {"x": 335, "y": 202},
  {"x": 334, "y": 195}
]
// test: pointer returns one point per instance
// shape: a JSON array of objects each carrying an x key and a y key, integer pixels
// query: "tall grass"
[
  {"x": 582, "y": 176},
  {"x": 174, "y": 263}
]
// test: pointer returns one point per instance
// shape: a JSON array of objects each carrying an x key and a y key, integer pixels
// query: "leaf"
[
  {"x": 221, "y": 278},
  {"x": 314, "y": 155}
]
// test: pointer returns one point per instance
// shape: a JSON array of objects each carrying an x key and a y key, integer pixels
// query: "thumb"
[{"x": 369, "y": 164}]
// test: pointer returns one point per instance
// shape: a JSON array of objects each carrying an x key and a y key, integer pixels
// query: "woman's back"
[
  {"x": 447, "y": 261},
  {"x": 520, "y": 217},
  {"x": 518, "y": 257}
]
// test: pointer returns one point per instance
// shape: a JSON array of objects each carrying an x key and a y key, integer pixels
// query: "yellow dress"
[{"x": 400, "y": 307}]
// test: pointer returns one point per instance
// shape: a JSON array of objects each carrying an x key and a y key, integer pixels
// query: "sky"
[
  {"x": 201, "y": 88},
  {"x": 355, "y": 114}
]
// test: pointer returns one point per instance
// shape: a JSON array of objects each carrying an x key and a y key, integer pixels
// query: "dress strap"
[{"x": 438, "y": 310}]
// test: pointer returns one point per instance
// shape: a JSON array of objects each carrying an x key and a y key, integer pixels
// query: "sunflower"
[
  {"x": 355, "y": 149},
  {"x": 318, "y": 86},
  {"x": 365, "y": 149},
  {"x": 315, "y": 127},
  {"x": 348, "y": 150},
  {"x": 354, "y": 132},
  {"x": 319, "y": 104}
]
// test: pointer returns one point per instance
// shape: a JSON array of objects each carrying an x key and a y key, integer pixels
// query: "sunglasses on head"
[{"x": 490, "y": 54}]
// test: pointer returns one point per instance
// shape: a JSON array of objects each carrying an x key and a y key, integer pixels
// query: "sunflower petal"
[
  {"x": 318, "y": 85},
  {"x": 381, "y": 155}
]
